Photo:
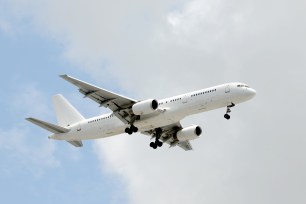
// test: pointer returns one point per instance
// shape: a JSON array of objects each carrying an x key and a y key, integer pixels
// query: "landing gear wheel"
[
  {"x": 153, "y": 145},
  {"x": 131, "y": 129},
  {"x": 227, "y": 116},
  {"x": 134, "y": 129},
  {"x": 228, "y": 110},
  {"x": 159, "y": 143},
  {"x": 128, "y": 131}
]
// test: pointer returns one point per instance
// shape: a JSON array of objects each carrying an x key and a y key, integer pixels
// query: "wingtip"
[
  {"x": 63, "y": 76},
  {"x": 30, "y": 119}
]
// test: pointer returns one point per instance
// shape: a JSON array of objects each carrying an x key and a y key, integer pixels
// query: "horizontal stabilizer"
[
  {"x": 48, "y": 126},
  {"x": 76, "y": 143}
]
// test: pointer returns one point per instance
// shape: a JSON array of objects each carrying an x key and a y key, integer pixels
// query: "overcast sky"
[{"x": 155, "y": 49}]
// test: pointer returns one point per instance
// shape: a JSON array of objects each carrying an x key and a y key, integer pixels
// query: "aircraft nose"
[{"x": 251, "y": 92}]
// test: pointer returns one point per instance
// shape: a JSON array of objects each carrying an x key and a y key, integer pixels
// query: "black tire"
[
  {"x": 153, "y": 145},
  {"x": 227, "y": 116},
  {"x": 127, "y": 130},
  {"x": 135, "y": 129},
  {"x": 159, "y": 143}
]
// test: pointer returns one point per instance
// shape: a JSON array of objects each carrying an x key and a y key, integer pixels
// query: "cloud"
[
  {"x": 17, "y": 140},
  {"x": 26, "y": 96},
  {"x": 163, "y": 48},
  {"x": 33, "y": 156}
]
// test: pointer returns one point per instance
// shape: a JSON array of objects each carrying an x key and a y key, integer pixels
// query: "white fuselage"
[{"x": 170, "y": 110}]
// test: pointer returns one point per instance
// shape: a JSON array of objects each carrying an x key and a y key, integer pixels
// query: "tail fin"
[{"x": 66, "y": 114}]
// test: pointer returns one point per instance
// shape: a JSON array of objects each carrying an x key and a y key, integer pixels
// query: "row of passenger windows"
[
  {"x": 96, "y": 120},
  {"x": 197, "y": 94},
  {"x": 172, "y": 100},
  {"x": 176, "y": 99},
  {"x": 204, "y": 92}
]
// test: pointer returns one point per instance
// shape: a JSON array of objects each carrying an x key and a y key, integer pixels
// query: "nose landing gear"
[{"x": 228, "y": 110}]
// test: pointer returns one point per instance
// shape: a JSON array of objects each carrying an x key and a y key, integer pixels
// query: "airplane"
[{"x": 159, "y": 119}]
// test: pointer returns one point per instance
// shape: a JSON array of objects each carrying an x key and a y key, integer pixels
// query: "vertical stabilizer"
[{"x": 66, "y": 114}]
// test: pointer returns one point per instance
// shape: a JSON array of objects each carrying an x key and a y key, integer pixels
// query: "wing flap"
[{"x": 185, "y": 145}]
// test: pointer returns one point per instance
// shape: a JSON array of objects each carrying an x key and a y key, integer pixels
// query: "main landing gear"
[
  {"x": 131, "y": 129},
  {"x": 157, "y": 143},
  {"x": 228, "y": 110}
]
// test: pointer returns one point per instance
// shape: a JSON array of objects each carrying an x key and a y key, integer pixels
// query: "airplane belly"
[{"x": 160, "y": 120}]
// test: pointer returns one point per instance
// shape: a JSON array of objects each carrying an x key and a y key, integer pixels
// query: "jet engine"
[
  {"x": 145, "y": 107},
  {"x": 189, "y": 133}
]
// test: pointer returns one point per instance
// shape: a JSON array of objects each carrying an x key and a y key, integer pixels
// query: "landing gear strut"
[
  {"x": 228, "y": 110},
  {"x": 157, "y": 143},
  {"x": 131, "y": 129}
]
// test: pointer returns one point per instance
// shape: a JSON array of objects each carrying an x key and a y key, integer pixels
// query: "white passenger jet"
[{"x": 158, "y": 118}]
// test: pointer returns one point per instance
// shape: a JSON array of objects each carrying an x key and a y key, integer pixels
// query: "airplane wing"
[
  {"x": 120, "y": 105},
  {"x": 167, "y": 136}
]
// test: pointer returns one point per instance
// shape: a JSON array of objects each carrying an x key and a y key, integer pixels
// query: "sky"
[{"x": 155, "y": 49}]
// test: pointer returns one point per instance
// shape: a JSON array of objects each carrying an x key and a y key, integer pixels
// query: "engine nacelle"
[
  {"x": 189, "y": 133},
  {"x": 145, "y": 107}
]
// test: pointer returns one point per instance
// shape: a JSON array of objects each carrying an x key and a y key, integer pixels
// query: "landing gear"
[
  {"x": 228, "y": 110},
  {"x": 131, "y": 129},
  {"x": 153, "y": 145},
  {"x": 227, "y": 116},
  {"x": 157, "y": 143}
]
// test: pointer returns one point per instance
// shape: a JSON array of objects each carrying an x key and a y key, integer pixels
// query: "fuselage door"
[
  {"x": 185, "y": 98},
  {"x": 227, "y": 89}
]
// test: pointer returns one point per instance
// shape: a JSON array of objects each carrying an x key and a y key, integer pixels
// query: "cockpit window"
[{"x": 242, "y": 85}]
